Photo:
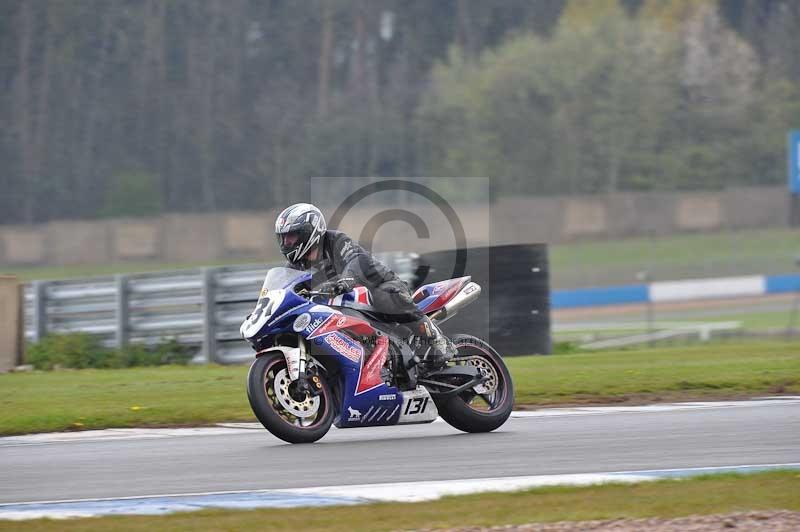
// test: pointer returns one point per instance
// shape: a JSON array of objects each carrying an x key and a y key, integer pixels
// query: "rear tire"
[
  {"x": 459, "y": 410},
  {"x": 275, "y": 418}
]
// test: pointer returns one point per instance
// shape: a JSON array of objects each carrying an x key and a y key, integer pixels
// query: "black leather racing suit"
[{"x": 343, "y": 257}]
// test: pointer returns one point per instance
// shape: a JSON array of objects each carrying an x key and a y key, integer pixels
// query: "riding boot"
[{"x": 441, "y": 347}]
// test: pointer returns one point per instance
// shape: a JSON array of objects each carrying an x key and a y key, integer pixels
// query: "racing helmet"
[{"x": 298, "y": 229}]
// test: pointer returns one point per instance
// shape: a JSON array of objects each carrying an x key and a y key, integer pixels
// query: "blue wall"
[
  {"x": 777, "y": 284},
  {"x": 640, "y": 293},
  {"x": 608, "y": 295}
]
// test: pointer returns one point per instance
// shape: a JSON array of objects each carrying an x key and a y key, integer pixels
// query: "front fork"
[
  {"x": 301, "y": 367},
  {"x": 307, "y": 376}
]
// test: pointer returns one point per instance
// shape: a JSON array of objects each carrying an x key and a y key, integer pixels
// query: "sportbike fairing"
[
  {"x": 434, "y": 296},
  {"x": 356, "y": 349}
]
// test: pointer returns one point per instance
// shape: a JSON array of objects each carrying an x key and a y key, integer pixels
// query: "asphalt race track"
[{"x": 551, "y": 442}]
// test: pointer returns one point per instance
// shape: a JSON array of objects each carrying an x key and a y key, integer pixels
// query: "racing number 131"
[{"x": 420, "y": 403}]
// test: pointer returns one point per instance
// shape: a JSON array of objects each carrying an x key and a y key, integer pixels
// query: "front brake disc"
[{"x": 302, "y": 409}]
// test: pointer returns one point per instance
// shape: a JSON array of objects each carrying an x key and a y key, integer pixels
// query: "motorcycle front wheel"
[
  {"x": 291, "y": 415},
  {"x": 487, "y": 406}
]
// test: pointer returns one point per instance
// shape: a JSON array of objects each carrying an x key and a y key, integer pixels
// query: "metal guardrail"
[
  {"x": 201, "y": 308},
  {"x": 627, "y": 333}
]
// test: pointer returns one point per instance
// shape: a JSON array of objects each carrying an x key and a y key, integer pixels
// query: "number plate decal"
[{"x": 418, "y": 407}]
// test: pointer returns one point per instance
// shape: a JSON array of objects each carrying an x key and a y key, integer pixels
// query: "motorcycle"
[{"x": 326, "y": 359}]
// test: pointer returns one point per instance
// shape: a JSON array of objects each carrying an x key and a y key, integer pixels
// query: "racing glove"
[{"x": 339, "y": 286}]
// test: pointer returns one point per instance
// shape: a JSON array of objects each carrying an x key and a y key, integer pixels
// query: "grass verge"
[
  {"x": 133, "y": 397},
  {"x": 750, "y": 321},
  {"x": 778, "y": 490},
  {"x": 601, "y": 262},
  {"x": 719, "y": 370},
  {"x": 198, "y": 395}
]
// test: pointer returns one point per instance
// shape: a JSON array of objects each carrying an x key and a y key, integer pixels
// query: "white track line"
[
  {"x": 333, "y": 495},
  {"x": 661, "y": 407},
  {"x": 224, "y": 429},
  {"x": 431, "y": 490}
]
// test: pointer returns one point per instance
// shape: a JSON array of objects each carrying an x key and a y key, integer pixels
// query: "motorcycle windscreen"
[{"x": 276, "y": 292}]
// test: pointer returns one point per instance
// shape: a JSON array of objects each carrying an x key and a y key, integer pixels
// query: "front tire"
[
  {"x": 472, "y": 411},
  {"x": 294, "y": 419}
]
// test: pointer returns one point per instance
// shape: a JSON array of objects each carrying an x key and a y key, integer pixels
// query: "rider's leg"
[
  {"x": 443, "y": 348},
  {"x": 395, "y": 300}
]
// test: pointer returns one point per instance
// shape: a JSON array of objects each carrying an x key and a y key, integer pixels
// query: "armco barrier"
[
  {"x": 204, "y": 307},
  {"x": 687, "y": 290},
  {"x": 201, "y": 308}
]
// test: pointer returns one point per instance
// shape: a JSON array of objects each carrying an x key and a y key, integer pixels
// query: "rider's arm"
[{"x": 351, "y": 260}]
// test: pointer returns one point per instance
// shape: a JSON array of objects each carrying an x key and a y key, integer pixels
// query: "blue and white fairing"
[{"x": 336, "y": 341}]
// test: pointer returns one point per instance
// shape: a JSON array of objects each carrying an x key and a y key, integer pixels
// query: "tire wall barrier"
[{"x": 513, "y": 310}]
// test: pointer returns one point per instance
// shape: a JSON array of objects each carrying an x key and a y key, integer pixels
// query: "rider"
[{"x": 306, "y": 243}]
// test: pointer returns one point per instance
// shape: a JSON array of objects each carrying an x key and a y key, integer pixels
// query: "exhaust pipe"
[{"x": 464, "y": 297}]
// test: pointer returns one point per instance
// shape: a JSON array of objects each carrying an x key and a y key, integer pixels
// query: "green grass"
[
  {"x": 682, "y": 249},
  {"x": 672, "y": 373},
  {"x": 755, "y": 321},
  {"x": 197, "y": 395},
  {"x": 99, "y": 398},
  {"x": 669, "y": 498},
  {"x": 585, "y": 263},
  {"x": 749, "y": 321},
  {"x": 671, "y": 257}
]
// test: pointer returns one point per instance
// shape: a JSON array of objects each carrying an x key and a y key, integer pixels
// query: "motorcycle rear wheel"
[
  {"x": 471, "y": 411},
  {"x": 267, "y": 373}
]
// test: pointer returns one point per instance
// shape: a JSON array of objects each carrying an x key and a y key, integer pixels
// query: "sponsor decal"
[
  {"x": 344, "y": 346},
  {"x": 325, "y": 327},
  {"x": 314, "y": 324},
  {"x": 301, "y": 322},
  {"x": 387, "y": 397},
  {"x": 371, "y": 371},
  {"x": 347, "y": 249},
  {"x": 263, "y": 293},
  {"x": 337, "y": 321},
  {"x": 355, "y": 415}
]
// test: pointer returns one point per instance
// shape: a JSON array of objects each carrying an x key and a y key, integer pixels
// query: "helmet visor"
[
  {"x": 292, "y": 241},
  {"x": 289, "y": 240}
]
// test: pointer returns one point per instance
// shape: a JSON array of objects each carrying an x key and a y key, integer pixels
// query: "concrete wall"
[
  {"x": 187, "y": 238},
  {"x": 10, "y": 323}
]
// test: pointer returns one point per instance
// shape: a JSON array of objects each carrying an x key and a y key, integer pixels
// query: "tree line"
[{"x": 134, "y": 107}]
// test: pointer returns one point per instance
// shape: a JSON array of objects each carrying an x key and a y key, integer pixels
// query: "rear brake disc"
[{"x": 487, "y": 370}]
